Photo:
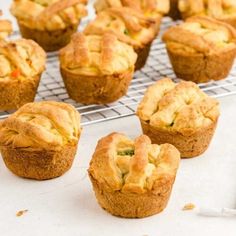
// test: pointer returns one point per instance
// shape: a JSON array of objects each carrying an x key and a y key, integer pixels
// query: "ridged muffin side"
[
  {"x": 39, "y": 141},
  {"x": 133, "y": 179}
]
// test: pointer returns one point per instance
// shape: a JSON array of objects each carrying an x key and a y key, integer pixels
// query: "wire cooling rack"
[{"x": 52, "y": 87}]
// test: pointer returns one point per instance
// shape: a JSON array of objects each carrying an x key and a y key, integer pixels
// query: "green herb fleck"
[
  {"x": 129, "y": 152},
  {"x": 126, "y": 32}
]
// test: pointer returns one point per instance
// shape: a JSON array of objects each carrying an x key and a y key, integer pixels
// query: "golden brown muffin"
[
  {"x": 133, "y": 179},
  {"x": 21, "y": 63},
  {"x": 223, "y": 10},
  {"x": 5, "y": 28},
  {"x": 150, "y": 8},
  {"x": 39, "y": 141},
  {"x": 97, "y": 69},
  {"x": 201, "y": 49},
  {"x": 180, "y": 114},
  {"x": 49, "y": 22},
  {"x": 130, "y": 26}
]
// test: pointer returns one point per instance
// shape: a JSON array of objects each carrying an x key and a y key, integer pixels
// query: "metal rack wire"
[{"x": 52, "y": 88}]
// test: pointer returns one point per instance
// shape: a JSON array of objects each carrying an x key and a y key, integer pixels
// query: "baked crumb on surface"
[
  {"x": 21, "y": 213},
  {"x": 188, "y": 207}
]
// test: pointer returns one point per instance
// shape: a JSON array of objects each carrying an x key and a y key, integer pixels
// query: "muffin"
[
  {"x": 21, "y": 63},
  {"x": 180, "y": 114},
  {"x": 201, "y": 49},
  {"x": 130, "y": 26},
  {"x": 133, "y": 178},
  {"x": 48, "y": 22},
  {"x": 96, "y": 69},
  {"x": 39, "y": 141},
  {"x": 5, "y": 28},
  {"x": 223, "y": 10}
]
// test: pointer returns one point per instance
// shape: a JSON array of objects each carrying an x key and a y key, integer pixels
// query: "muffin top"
[
  {"x": 5, "y": 28},
  {"x": 129, "y": 25},
  {"x": 177, "y": 107},
  {"x": 48, "y": 14},
  {"x": 121, "y": 164},
  {"x": 97, "y": 55},
  {"x": 219, "y": 9},
  {"x": 152, "y": 8},
  {"x": 201, "y": 34},
  {"x": 41, "y": 125},
  {"x": 21, "y": 59}
]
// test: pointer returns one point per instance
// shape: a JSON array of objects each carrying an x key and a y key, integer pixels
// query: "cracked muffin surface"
[
  {"x": 41, "y": 125},
  {"x": 94, "y": 55},
  {"x": 180, "y": 114},
  {"x": 21, "y": 59},
  {"x": 127, "y": 24},
  {"x": 152, "y": 8},
  {"x": 130, "y": 26},
  {"x": 124, "y": 168},
  {"x": 224, "y": 10},
  {"x": 22, "y": 62},
  {"x": 49, "y": 23},
  {"x": 48, "y": 15}
]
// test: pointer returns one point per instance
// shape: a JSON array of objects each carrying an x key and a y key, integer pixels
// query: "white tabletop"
[{"x": 67, "y": 205}]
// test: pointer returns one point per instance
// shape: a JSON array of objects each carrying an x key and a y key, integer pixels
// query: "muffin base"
[
  {"x": 131, "y": 205},
  {"x": 174, "y": 10},
  {"x": 200, "y": 68},
  {"x": 39, "y": 165},
  {"x": 49, "y": 40},
  {"x": 189, "y": 145},
  {"x": 16, "y": 93},
  {"x": 143, "y": 54},
  {"x": 96, "y": 89}
]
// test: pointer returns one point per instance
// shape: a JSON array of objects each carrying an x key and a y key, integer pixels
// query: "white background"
[{"x": 67, "y": 205}]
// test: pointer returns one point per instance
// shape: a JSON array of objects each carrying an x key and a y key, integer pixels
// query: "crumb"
[
  {"x": 188, "y": 207},
  {"x": 20, "y": 213}
]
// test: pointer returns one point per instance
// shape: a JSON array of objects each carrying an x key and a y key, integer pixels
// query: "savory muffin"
[
  {"x": 49, "y": 22},
  {"x": 133, "y": 178},
  {"x": 39, "y": 141},
  {"x": 130, "y": 26},
  {"x": 97, "y": 69},
  {"x": 151, "y": 8},
  {"x": 5, "y": 28},
  {"x": 201, "y": 49},
  {"x": 21, "y": 63},
  {"x": 223, "y": 10},
  {"x": 180, "y": 114}
]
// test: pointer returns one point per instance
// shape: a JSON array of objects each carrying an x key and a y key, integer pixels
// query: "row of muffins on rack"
[
  {"x": 97, "y": 65},
  {"x": 130, "y": 178}
]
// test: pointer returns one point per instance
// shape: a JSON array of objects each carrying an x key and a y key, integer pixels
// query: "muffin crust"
[
  {"x": 201, "y": 49},
  {"x": 39, "y": 141},
  {"x": 21, "y": 64},
  {"x": 133, "y": 178},
  {"x": 180, "y": 114}
]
